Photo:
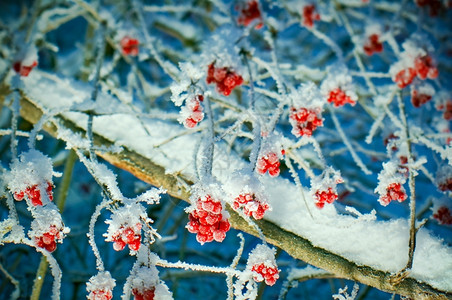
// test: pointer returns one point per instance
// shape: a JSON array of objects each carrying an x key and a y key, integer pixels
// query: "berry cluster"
[
  {"x": 225, "y": 79},
  {"x": 447, "y": 107},
  {"x": 373, "y": 45},
  {"x": 251, "y": 205},
  {"x": 445, "y": 185},
  {"x": 268, "y": 273},
  {"x": 304, "y": 121},
  {"x": 22, "y": 69},
  {"x": 434, "y": 6},
  {"x": 34, "y": 194},
  {"x": 195, "y": 114},
  {"x": 100, "y": 295},
  {"x": 443, "y": 216},
  {"x": 310, "y": 15},
  {"x": 250, "y": 13},
  {"x": 208, "y": 221},
  {"x": 129, "y": 46},
  {"x": 325, "y": 196},
  {"x": 48, "y": 239},
  {"x": 268, "y": 162},
  {"x": 394, "y": 192},
  {"x": 423, "y": 68},
  {"x": 339, "y": 98},
  {"x": 147, "y": 294},
  {"x": 127, "y": 235}
]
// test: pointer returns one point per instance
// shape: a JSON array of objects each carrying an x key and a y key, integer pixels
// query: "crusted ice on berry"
[
  {"x": 442, "y": 211},
  {"x": 208, "y": 218},
  {"x": 390, "y": 183},
  {"x": 421, "y": 93},
  {"x": 192, "y": 112},
  {"x": 250, "y": 12},
  {"x": 245, "y": 191},
  {"x": 31, "y": 176},
  {"x": 262, "y": 263},
  {"x": 26, "y": 60},
  {"x": 100, "y": 286},
  {"x": 306, "y": 109},
  {"x": 47, "y": 228},
  {"x": 444, "y": 178},
  {"x": 124, "y": 227},
  {"x": 270, "y": 153},
  {"x": 225, "y": 78},
  {"x": 373, "y": 39},
  {"x": 324, "y": 187},
  {"x": 184, "y": 89},
  {"x": 338, "y": 87}
]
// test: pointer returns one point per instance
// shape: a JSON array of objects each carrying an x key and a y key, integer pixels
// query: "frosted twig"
[
  {"x": 15, "y": 114},
  {"x": 373, "y": 129},
  {"x": 347, "y": 143},
  {"x": 294, "y": 174},
  {"x": 91, "y": 239},
  {"x": 16, "y": 293},
  {"x": 196, "y": 267},
  {"x": 234, "y": 264},
  {"x": 19, "y": 133},
  {"x": 302, "y": 163}
]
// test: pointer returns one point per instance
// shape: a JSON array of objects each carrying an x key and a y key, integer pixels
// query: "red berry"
[
  {"x": 251, "y": 205},
  {"x": 24, "y": 70},
  {"x": 129, "y": 46},
  {"x": 304, "y": 121},
  {"x": 425, "y": 68},
  {"x": 100, "y": 295},
  {"x": 373, "y": 45},
  {"x": 434, "y": 6},
  {"x": 404, "y": 77},
  {"x": 322, "y": 197},
  {"x": 225, "y": 79},
  {"x": 269, "y": 274},
  {"x": 339, "y": 98},
  {"x": 250, "y": 13},
  {"x": 419, "y": 99},
  {"x": 147, "y": 294},
  {"x": 269, "y": 162},
  {"x": 310, "y": 15},
  {"x": 394, "y": 192}
]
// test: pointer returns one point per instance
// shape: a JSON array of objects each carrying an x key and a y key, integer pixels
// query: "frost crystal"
[{"x": 390, "y": 184}]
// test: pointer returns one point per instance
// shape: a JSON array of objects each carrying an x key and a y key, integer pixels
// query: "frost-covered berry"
[
  {"x": 47, "y": 228},
  {"x": 304, "y": 121},
  {"x": 191, "y": 113},
  {"x": 33, "y": 193},
  {"x": 100, "y": 286},
  {"x": 443, "y": 215},
  {"x": 144, "y": 279},
  {"x": 125, "y": 227},
  {"x": 444, "y": 178},
  {"x": 22, "y": 69},
  {"x": 421, "y": 94},
  {"x": 390, "y": 183},
  {"x": 147, "y": 294},
  {"x": 31, "y": 176},
  {"x": 310, "y": 15},
  {"x": 425, "y": 68},
  {"x": 263, "y": 265},
  {"x": 324, "y": 187},
  {"x": 404, "y": 77},
  {"x": 447, "y": 108},
  {"x": 373, "y": 45},
  {"x": 208, "y": 220},
  {"x": 250, "y": 13},
  {"x": 251, "y": 205},
  {"x": 268, "y": 162},
  {"x": 130, "y": 46},
  {"x": 225, "y": 78},
  {"x": 339, "y": 98}
]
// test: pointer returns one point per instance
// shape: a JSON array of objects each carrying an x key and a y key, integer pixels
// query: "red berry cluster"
[
  {"x": 100, "y": 295},
  {"x": 445, "y": 185},
  {"x": 196, "y": 115},
  {"x": 373, "y": 45},
  {"x": 268, "y": 162},
  {"x": 207, "y": 221},
  {"x": 24, "y": 70},
  {"x": 310, "y": 15},
  {"x": 147, "y": 294},
  {"x": 129, "y": 46},
  {"x": 339, "y": 98},
  {"x": 251, "y": 205},
  {"x": 225, "y": 78},
  {"x": 305, "y": 121},
  {"x": 126, "y": 235},
  {"x": 434, "y": 5},
  {"x": 250, "y": 13},
  {"x": 48, "y": 239},
  {"x": 418, "y": 99},
  {"x": 423, "y": 68},
  {"x": 394, "y": 192},
  {"x": 34, "y": 194},
  {"x": 443, "y": 215},
  {"x": 269, "y": 274},
  {"x": 322, "y": 197}
]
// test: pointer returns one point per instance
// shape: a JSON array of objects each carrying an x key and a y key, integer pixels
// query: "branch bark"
[{"x": 297, "y": 246}]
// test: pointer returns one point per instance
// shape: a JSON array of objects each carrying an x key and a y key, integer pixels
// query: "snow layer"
[{"x": 380, "y": 244}]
